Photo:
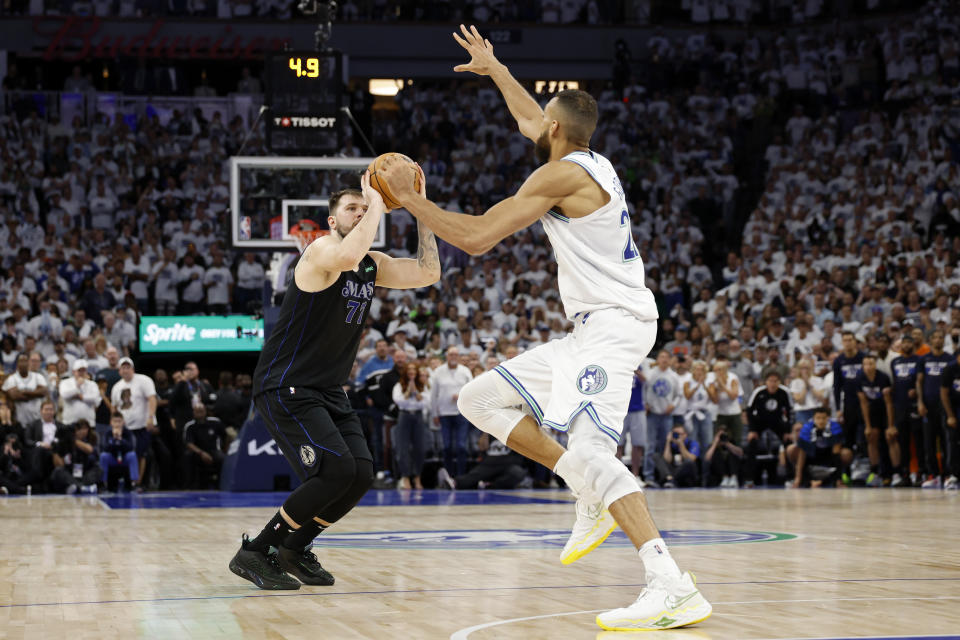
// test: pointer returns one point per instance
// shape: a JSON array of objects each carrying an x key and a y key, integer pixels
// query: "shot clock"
[{"x": 303, "y": 93}]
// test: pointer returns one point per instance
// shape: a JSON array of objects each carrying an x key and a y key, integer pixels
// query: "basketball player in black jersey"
[{"x": 298, "y": 384}]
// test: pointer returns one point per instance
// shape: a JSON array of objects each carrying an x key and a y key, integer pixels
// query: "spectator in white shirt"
[
  {"x": 26, "y": 389},
  {"x": 137, "y": 269},
  {"x": 250, "y": 279},
  {"x": 409, "y": 434},
  {"x": 445, "y": 388},
  {"x": 166, "y": 276},
  {"x": 191, "y": 277},
  {"x": 808, "y": 391},
  {"x": 80, "y": 395},
  {"x": 118, "y": 332},
  {"x": 135, "y": 396},
  {"x": 218, "y": 281},
  {"x": 662, "y": 394},
  {"x": 45, "y": 326}
]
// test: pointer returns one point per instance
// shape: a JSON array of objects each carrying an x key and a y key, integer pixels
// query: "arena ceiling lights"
[
  {"x": 552, "y": 86},
  {"x": 386, "y": 86}
]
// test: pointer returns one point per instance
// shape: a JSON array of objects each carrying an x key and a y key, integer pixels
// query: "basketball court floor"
[{"x": 482, "y": 565}]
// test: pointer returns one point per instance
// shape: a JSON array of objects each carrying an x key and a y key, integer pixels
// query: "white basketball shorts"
[{"x": 584, "y": 380}]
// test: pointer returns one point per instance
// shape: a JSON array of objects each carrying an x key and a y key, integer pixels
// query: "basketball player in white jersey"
[{"x": 579, "y": 384}]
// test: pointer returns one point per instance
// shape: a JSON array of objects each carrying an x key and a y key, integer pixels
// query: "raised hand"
[
  {"x": 482, "y": 60},
  {"x": 371, "y": 195}
]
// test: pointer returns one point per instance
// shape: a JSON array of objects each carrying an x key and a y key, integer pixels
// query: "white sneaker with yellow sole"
[
  {"x": 594, "y": 523},
  {"x": 661, "y": 605}
]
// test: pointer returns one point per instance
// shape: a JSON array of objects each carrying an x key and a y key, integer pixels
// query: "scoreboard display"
[{"x": 304, "y": 96}]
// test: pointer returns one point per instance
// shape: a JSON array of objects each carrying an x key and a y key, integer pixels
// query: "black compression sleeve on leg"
[
  {"x": 362, "y": 482},
  {"x": 335, "y": 477}
]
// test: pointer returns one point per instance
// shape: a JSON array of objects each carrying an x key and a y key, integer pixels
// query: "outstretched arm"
[
  {"x": 407, "y": 273},
  {"x": 522, "y": 106},
  {"x": 545, "y": 187}
]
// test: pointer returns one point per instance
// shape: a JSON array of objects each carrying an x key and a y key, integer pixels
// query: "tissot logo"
[{"x": 298, "y": 122}]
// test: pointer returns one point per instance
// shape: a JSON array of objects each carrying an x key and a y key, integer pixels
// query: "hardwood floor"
[{"x": 775, "y": 564}]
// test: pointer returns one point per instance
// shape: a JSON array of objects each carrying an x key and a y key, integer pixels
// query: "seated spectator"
[
  {"x": 818, "y": 456},
  {"x": 13, "y": 477},
  {"x": 678, "y": 465},
  {"x": 206, "y": 441},
  {"x": 770, "y": 424},
  {"x": 723, "y": 458},
  {"x": 119, "y": 452},
  {"x": 499, "y": 468},
  {"x": 42, "y": 438},
  {"x": 77, "y": 464}
]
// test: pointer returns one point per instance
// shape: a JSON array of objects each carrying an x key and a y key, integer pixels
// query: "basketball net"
[{"x": 305, "y": 232}]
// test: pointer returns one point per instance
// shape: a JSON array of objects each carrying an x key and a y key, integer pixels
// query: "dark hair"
[
  {"x": 336, "y": 197},
  {"x": 848, "y": 333},
  {"x": 581, "y": 111},
  {"x": 821, "y": 410},
  {"x": 116, "y": 414}
]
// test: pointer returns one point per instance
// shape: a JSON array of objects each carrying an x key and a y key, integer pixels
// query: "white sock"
[{"x": 658, "y": 561}]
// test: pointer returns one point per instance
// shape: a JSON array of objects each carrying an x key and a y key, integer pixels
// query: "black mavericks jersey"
[{"x": 317, "y": 335}]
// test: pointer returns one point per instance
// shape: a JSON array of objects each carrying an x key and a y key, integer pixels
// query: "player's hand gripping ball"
[{"x": 379, "y": 183}]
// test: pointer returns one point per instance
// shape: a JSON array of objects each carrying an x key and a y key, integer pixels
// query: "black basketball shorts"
[{"x": 310, "y": 424}]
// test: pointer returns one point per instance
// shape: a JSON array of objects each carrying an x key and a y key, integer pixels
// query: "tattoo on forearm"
[{"x": 427, "y": 255}]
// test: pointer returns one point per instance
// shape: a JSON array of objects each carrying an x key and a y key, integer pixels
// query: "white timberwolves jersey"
[{"x": 599, "y": 266}]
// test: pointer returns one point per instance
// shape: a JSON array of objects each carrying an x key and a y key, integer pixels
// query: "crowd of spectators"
[{"x": 853, "y": 235}]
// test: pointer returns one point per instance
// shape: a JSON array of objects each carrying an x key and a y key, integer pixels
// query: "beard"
[
  {"x": 343, "y": 228},
  {"x": 542, "y": 148}
]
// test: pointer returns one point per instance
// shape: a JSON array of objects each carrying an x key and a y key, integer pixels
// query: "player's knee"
[
  {"x": 605, "y": 474},
  {"x": 364, "y": 475},
  {"x": 471, "y": 401},
  {"x": 338, "y": 470},
  {"x": 484, "y": 401}
]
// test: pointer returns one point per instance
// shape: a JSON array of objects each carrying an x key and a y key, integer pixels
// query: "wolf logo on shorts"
[{"x": 592, "y": 379}]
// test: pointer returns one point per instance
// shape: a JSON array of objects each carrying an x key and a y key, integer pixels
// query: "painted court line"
[
  {"x": 464, "y": 634},
  {"x": 257, "y": 594}
]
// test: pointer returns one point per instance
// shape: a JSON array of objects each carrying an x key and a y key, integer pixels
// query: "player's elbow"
[
  {"x": 431, "y": 277},
  {"x": 478, "y": 244}
]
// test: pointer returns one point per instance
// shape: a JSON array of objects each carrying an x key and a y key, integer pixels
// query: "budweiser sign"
[{"x": 79, "y": 38}]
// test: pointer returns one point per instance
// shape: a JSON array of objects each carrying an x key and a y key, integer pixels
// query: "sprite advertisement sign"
[{"x": 160, "y": 334}]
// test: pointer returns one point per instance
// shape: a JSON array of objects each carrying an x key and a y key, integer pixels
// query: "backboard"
[{"x": 268, "y": 196}]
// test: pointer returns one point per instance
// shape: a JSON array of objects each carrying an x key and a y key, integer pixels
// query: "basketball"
[{"x": 381, "y": 186}]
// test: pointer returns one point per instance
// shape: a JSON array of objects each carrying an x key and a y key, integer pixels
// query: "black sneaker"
[
  {"x": 260, "y": 568},
  {"x": 304, "y": 566}
]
